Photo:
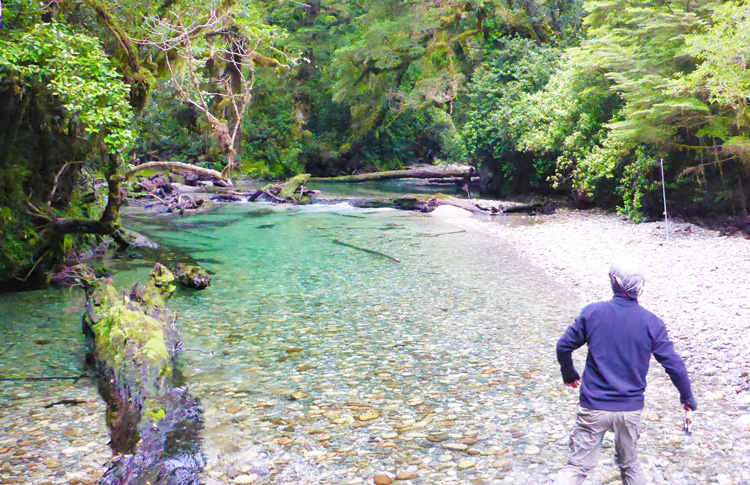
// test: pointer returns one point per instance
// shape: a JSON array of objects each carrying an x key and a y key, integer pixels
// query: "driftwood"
[
  {"x": 154, "y": 424},
  {"x": 365, "y": 250},
  {"x": 419, "y": 173},
  {"x": 161, "y": 189}
]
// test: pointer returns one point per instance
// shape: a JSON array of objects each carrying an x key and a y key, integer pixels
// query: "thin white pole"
[{"x": 664, "y": 196}]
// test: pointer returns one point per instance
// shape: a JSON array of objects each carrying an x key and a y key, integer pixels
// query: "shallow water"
[{"x": 310, "y": 335}]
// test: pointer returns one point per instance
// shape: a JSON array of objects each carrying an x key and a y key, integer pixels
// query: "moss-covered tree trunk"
[{"x": 154, "y": 423}]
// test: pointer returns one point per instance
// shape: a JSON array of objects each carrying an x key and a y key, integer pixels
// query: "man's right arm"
[{"x": 573, "y": 338}]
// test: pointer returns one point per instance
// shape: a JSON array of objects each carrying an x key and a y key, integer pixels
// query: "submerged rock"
[{"x": 192, "y": 276}]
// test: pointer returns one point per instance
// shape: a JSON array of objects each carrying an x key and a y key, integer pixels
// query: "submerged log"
[
  {"x": 420, "y": 173},
  {"x": 154, "y": 424},
  {"x": 365, "y": 250}
]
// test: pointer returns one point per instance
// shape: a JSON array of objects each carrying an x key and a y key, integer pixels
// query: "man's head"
[{"x": 627, "y": 276}]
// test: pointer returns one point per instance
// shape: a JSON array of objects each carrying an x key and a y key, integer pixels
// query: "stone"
[
  {"x": 406, "y": 475},
  {"x": 191, "y": 276},
  {"x": 245, "y": 479},
  {"x": 382, "y": 480},
  {"x": 285, "y": 441},
  {"x": 464, "y": 464},
  {"x": 297, "y": 395},
  {"x": 531, "y": 450},
  {"x": 437, "y": 438},
  {"x": 455, "y": 446},
  {"x": 368, "y": 416}
]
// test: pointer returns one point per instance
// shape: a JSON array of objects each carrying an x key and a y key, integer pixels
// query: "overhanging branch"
[{"x": 172, "y": 165}]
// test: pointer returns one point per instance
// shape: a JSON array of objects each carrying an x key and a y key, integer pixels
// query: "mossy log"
[
  {"x": 420, "y": 173},
  {"x": 292, "y": 191},
  {"x": 154, "y": 424}
]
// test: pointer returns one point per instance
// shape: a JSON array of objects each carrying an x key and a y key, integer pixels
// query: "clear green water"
[{"x": 454, "y": 343}]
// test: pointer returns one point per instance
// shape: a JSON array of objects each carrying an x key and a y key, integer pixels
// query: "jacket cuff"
[{"x": 570, "y": 376}]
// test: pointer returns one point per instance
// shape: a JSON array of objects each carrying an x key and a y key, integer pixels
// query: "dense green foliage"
[
  {"x": 578, "y": 97},
  {"x": 649, "y": 81}
]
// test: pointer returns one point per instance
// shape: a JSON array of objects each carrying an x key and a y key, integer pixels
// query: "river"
[{"x": 331, "y": 364}]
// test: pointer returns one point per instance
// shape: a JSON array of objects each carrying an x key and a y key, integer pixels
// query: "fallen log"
[
  {"x": 206, "y": 172},
  {"x": 530, "y": 208},
  {"x": 421, "y": 203},
  {"x": 154, "y": 424},
  {"x": 419, "y": 173}
]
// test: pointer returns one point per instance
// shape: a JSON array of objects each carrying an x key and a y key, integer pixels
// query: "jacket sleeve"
[
  {"x": 663, "y": 350},
  {"x": 573, "y": 338}
]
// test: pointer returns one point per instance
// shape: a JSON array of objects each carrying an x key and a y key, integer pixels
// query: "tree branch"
[{"x": 171, "y": 165}]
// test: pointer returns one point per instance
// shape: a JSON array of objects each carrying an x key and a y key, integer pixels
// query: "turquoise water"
[
  {"x": 331, "y": 364},
  {"x": 440, "y": 341}
]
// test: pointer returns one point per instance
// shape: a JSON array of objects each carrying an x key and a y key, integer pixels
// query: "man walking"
[{"x": 621, "y": 337}]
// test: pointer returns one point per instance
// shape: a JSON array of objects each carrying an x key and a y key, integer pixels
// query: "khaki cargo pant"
[{"x": 586, "y": 441}]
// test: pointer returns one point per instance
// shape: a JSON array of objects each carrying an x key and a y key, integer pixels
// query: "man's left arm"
[{"x": 663, "y": 350}]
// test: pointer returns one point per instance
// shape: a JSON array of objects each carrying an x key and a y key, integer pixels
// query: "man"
[{"x": 621, "y": 337}]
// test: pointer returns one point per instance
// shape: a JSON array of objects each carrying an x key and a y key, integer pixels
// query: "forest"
[{"x": 577, "y": 98}]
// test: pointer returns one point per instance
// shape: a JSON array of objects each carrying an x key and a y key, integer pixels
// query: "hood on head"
[{"x": 626, "y": 275}]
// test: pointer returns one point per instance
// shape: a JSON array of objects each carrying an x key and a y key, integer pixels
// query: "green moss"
[
  {"x": 155, "y": 414},
  {"x": 126, "y": 331},
  {"x": 159, "y": 287},
  {"x": 293, "y": 184}
]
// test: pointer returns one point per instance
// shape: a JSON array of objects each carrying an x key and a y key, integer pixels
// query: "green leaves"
[
  {"x": 723, "y": 49},
  {"x": 75, "y": 69}
]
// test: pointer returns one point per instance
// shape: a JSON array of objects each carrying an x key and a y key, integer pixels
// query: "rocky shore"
[{"x": 697, "y": 281}]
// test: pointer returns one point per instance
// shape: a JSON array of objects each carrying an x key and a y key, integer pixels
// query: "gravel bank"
[{"x": 698, "y": 282}]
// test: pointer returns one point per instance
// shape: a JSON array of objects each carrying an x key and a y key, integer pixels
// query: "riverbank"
[{"x": 697, "y": 281}]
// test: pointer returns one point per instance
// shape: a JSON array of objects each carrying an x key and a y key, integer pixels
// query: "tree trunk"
[{"x": 419, "y": 173}]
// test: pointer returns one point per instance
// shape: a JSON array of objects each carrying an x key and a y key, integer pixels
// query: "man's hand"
[
  {"x": 690, "y": 405},
  {"x": 574, "y": 384}
]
